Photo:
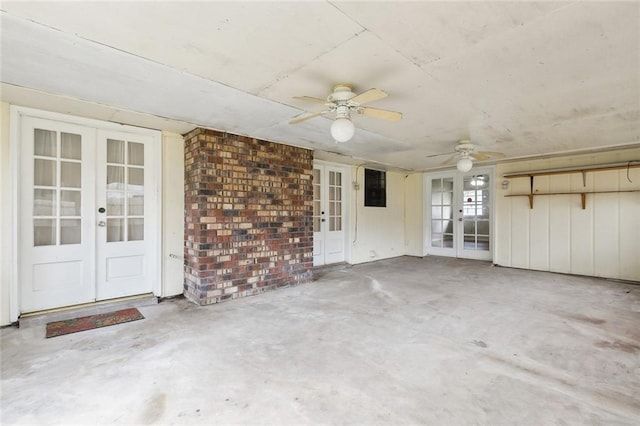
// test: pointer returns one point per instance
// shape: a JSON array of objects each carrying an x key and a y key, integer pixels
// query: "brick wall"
[{"x": 248, "y": 208}]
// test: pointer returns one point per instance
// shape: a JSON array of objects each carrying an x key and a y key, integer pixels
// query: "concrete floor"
[{"x": 401, "y": 341}]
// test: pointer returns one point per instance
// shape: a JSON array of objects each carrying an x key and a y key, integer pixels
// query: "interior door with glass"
[
  {"x": 328, "y": 214},
  {"x": 460, "y": 214},
  {"x": 474, "y": 232},
  {"x": 125, "y": 214},
  {"x": 56, "y": 214}
]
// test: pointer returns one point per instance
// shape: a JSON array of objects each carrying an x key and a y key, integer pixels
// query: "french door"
[
  {"x": 329, "y": 221},
  {"x": 88, "y": 213},
  {"x": 459, "y": 214}
]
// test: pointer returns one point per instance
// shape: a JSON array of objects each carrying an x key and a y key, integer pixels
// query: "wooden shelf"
[
  {"x": 583, "y": 195},
  {"x": 583, "y": 169}
]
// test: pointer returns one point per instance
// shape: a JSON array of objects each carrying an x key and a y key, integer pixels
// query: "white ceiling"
[{"x": 524, "y": 78}]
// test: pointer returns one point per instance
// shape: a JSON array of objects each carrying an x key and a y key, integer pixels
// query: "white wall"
[
  {"x": 172, "y": 214},
  {"x": 6, "y": 255},
  {"x": 380, "y": 230},
  {"x": 557, "y": 235},
  {"x": 414, "y": 215}
]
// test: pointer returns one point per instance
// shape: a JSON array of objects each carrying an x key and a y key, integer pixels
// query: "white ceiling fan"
[
  {"x": 467, "y": 152},
  {"x": 342, "y": 101}
]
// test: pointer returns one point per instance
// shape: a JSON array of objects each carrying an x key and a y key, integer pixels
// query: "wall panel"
[
  {"x": 560, "y": 226},
  {"x": 603, "y": 239}
]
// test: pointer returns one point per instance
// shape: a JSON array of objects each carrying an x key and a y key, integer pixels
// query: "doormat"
[{"x": 60, "y": 328}]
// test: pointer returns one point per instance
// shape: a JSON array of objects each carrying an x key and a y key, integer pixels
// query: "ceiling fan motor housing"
[{"x": 342, "y": 92}]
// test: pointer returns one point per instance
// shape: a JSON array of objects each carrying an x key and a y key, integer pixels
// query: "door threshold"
[{"x": 34, "y": 319}]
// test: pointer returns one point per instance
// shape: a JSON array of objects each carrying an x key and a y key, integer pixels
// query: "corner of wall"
[
  {"x": 6, "y": 258},
  {"x": 172, "y": 214}
]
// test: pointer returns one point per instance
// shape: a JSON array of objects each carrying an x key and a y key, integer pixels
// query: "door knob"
[
  {"x": 459, "y": 219},
  {"x": 102, "y": 223}
]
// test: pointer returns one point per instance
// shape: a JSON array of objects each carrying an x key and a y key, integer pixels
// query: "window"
[{"x": 375, "y": 188}]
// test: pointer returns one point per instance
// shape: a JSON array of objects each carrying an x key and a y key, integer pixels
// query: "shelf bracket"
[
  {"x": 530, "y": 201},
  {"x": 583, "y": 199},
  {"x": 584, "y": 180}
]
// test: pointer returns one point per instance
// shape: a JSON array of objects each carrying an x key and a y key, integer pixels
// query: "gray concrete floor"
[{"x": 401, "y": 341}]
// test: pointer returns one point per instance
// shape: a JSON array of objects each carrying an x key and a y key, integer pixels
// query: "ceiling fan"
[
  {"x": 467, "y": 153},
  {"x": 342, "y": 101}
]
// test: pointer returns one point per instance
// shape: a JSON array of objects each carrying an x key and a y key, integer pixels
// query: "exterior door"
[
  {"x": 87, "y": 214},
  {"x": 125, "y": 214},
  {"x": 57, "y": 245},
  {"x": 459, "y": 214},
  {"x": 328, "y": 214}
]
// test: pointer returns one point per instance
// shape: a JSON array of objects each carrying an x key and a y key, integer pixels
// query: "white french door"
[
  {"x": 329, "y": 219},
  {"x": 88, "y": 214},
  {"x": 459, "y": 214}
]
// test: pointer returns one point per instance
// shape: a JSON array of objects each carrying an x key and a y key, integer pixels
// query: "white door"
[
  {"x": 126, "y": 214},
  {"x": 86, "y": 214},
  {"x": 459, "y": 214},
  {"x": 328, "y": 214}
]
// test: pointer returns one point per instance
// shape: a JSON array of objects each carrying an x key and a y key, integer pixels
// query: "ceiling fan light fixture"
[
  {"x": 464, "y": 164},
  {"x": 342, "y": 129}
]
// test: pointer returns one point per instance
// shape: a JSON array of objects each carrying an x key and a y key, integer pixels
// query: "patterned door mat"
[{"x": 60, "y": 328}]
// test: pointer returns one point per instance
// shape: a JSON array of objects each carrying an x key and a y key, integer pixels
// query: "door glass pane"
[
  {"x": 136, "y": 154},
  {"x": 338, "y": 179},
  {"x": 447, "y": 241},
  {"x": 44, "y": 232},
  {"x": 316, "y": 224},
  {"x": 115, "y": 151},
  {"x": 332, "y": 178},
  {"x": 136, "y": 204},
  {"x": 436, "y": 227},
  {"x": 44, "y": 202},
  {"x": 70, "y": 203},
  {"x": 338, "y": 223},
  {"x": 136, "y": 229},
  {"x": 70, "y": 146},
  {"x": 316, "y": 192},
  {"x": 136, "y": 179},
  {"x": 45, "y": 143},
  {"x": 332, "y": 224},
  {"x": 70, "y": 231},
  {"x": 115, "y": 230},
  {"x": 44, "y": 172},
  {"x": 115, "y": 177},
  {"x": 483, "y": 227},
  {"x": 469, "y": 227},
  {"x": 70, "y": 176},
  {"x": 115, "y": 203},
  {"x": 316, "y": 176}
]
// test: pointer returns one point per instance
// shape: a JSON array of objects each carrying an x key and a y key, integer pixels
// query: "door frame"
[
  {"x": 346, "y": 202},
  {"x": 15, "y": 124},
  {"x": 457, "y": 189}
]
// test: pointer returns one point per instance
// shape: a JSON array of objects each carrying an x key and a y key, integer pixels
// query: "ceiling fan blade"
[
  {"x": 302, "y": 118},
  {"x": 380, "y": 113},
  {"x": 310, "y": 99},
  {"x": 480, "y": 156},
  {"x": 449, "y": 160},
  {"x": 486, "y": 155},
  {"x": 438, "y": 155},
  {"x": 369, "y": 96}
]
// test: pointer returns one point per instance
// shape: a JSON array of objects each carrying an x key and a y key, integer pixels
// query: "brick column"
[{"x": 248, "y": 216}]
